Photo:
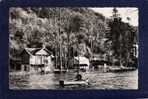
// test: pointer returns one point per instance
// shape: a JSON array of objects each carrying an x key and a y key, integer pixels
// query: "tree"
[
  {"x": 121, "y": 40},
  {"x": 75, "y": 25}
]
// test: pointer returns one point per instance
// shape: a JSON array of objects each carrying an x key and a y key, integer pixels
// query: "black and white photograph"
[{"x": 73, "y": 48}]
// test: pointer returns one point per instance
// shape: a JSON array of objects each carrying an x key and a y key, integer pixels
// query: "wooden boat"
[{"x": 63, "y": 83}]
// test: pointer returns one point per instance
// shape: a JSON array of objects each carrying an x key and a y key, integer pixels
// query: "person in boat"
[{"x": 78, "y": 77}]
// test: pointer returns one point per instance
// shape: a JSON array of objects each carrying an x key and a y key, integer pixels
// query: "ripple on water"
[{"x": 124, "y": 80}]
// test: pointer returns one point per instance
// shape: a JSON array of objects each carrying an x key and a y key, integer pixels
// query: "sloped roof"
[
  {"x": 82, "y": 60},
  {"x": 42, "y": 52},
  {"x": 31, "y": 51},
  {"x": 37, "y": 51}
]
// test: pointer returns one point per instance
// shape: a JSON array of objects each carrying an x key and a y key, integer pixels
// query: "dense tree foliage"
[
  {"x": 122, "y": 37},
  {"x": 32, "y": 27},
  {"x": 68, "y": 32}
]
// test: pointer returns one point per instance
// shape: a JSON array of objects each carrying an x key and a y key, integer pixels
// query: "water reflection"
[{"x": 97, "y": 80}]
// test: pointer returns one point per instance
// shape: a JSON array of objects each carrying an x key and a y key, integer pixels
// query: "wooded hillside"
[
  {"x": 32, "y": 27},
  {"x": 77, "y": 30}
]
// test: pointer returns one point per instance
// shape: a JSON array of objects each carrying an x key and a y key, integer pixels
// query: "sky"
[{"x": 124, "y": 12}]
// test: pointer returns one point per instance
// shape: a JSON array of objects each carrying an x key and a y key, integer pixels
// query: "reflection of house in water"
[{"x": 35, "y": 58}]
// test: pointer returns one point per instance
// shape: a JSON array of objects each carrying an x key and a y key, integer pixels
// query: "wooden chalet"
[{"x": 37, "y": 58}]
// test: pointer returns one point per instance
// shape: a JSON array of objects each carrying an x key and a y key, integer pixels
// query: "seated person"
[{"x": 78, "y": 77}]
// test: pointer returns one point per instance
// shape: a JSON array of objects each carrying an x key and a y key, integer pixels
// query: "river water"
[{"x": 97, "y": 80}]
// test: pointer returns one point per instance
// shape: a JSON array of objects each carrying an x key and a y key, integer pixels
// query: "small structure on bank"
[
  {"x": 99, "y": 59},
  {"x": 100, "y": 62},
  {"x": 82, "y": 62},
  {"x": 36, "y": 59}
]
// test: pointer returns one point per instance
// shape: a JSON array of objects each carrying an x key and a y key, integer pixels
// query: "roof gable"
[
  {"x": 36, "y": 51},
  {"x": 42, "y": 52},
  {"x": 31, "y": 51}
]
